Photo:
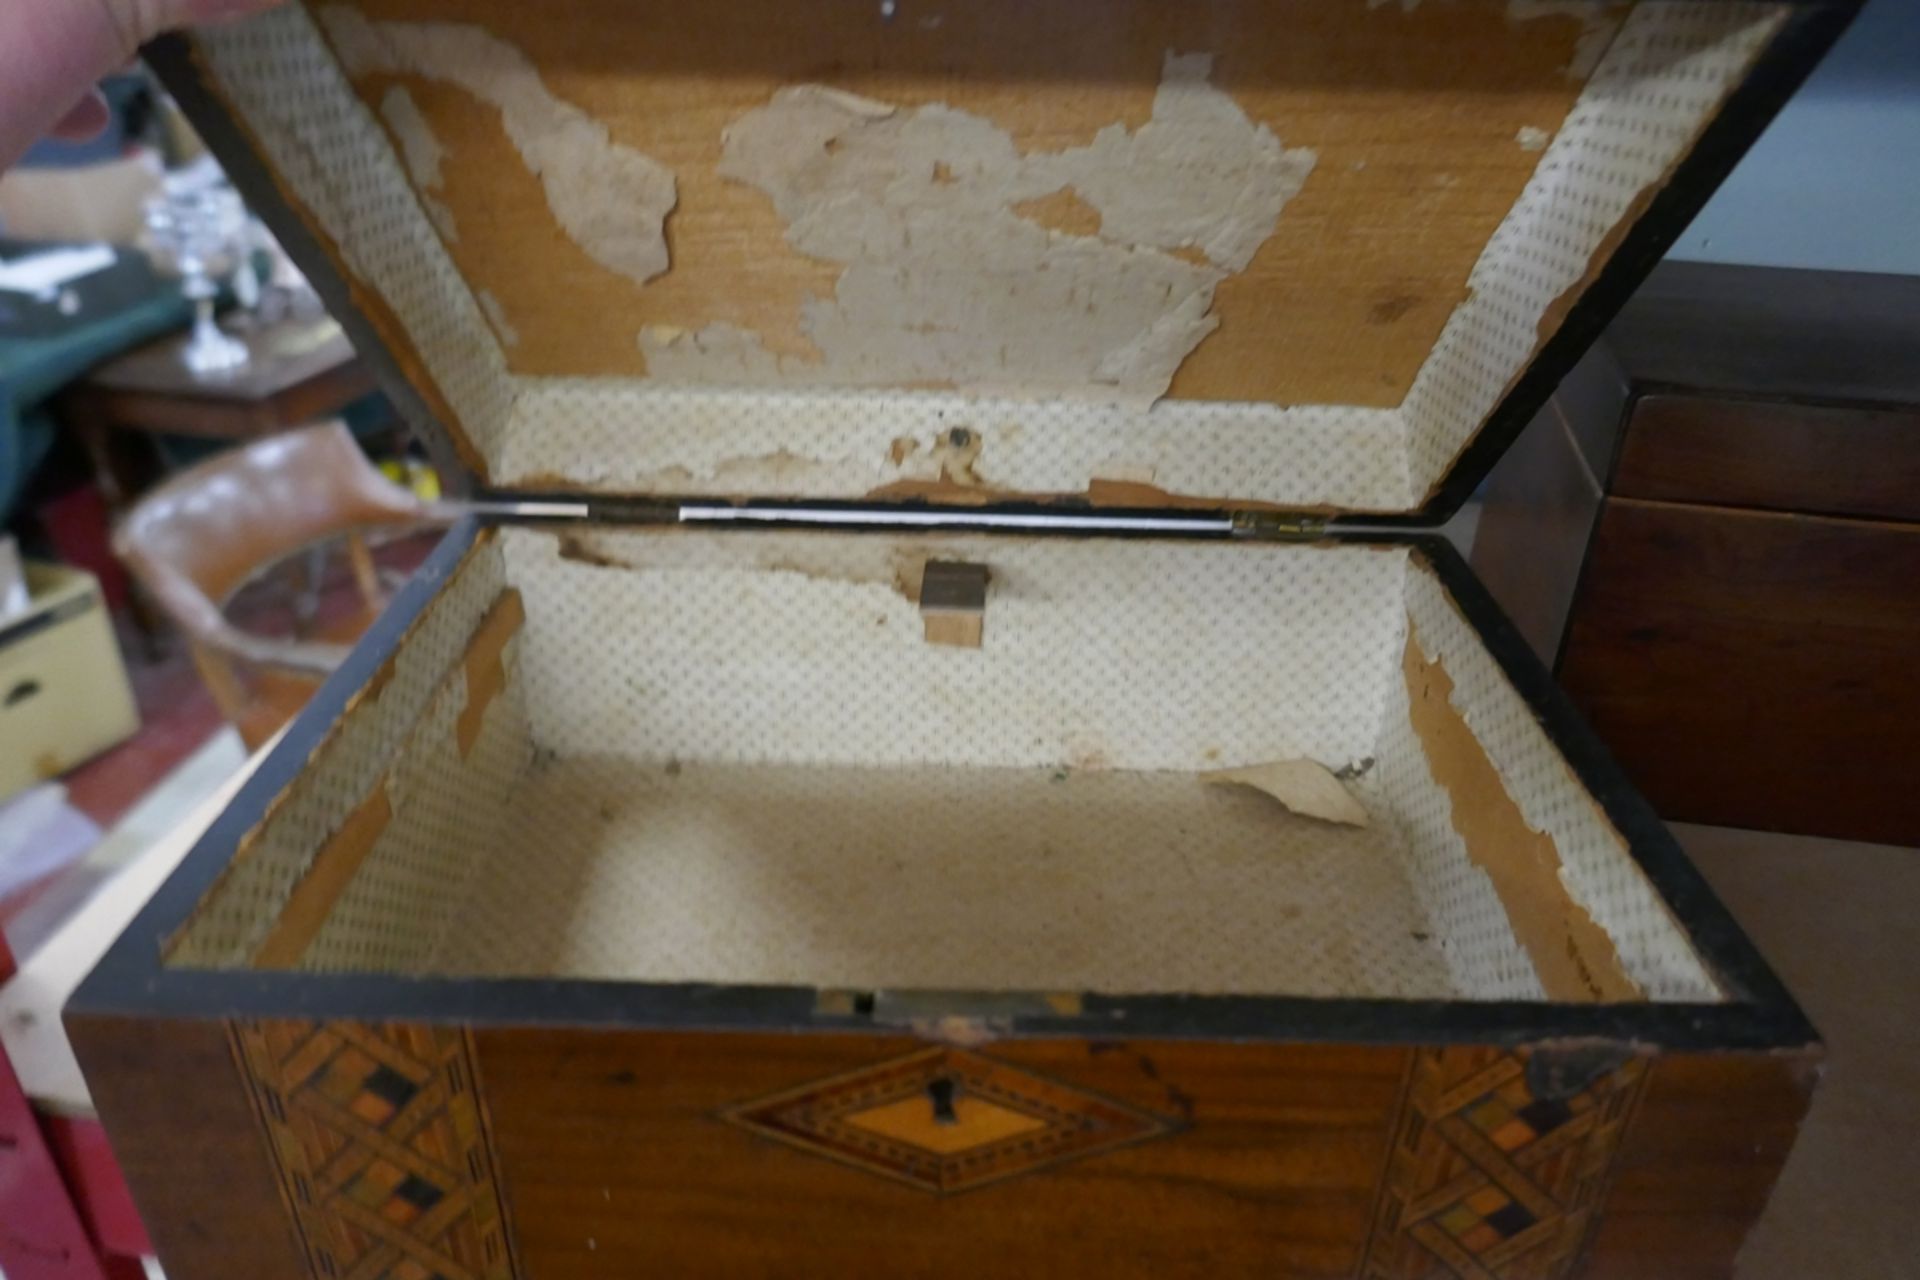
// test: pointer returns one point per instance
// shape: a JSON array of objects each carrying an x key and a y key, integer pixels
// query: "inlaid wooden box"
[{"x": 957, "y": 487}]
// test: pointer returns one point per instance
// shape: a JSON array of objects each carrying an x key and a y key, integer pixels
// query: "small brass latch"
[
  {"x": 953, "y": 602},
  {"x": 1277, "y": 526}
]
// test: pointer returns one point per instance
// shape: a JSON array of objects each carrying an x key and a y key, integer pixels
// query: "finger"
[
  {"x": 84, "y": 120},
  {"x": 51, "y": 49}
]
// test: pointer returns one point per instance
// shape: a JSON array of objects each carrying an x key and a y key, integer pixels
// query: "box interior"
[
  {"x": 693, "y": 756},
  {"x": 1291, "y": 253}
]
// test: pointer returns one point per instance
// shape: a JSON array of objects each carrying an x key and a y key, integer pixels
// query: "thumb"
[{"x": 52, "y": 51}]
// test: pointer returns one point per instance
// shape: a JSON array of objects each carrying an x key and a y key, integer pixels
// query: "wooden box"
[{"x": 919, "y": 450}]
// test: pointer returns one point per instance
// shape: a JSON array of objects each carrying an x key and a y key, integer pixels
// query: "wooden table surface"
[{"x": 301, "y": 369}]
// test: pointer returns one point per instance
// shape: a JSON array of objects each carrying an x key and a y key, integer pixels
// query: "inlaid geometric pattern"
[
  {"x": 383, "y": 1158},
  {"x": 1489, "y": 1180},
  {"x": 945, "y": 1120}
]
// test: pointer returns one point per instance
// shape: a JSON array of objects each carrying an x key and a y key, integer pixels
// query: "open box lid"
[{"x": 1321, "y": 256}]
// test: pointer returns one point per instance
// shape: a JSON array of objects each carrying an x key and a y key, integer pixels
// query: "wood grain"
[
  {"x": 1573, "y": 956},
  {"x": 1772, "y": 454},
  {"x": 615, "y": 1156},
  {"x": 333, "y": 869},
  {"x": 485, "y": 667},
  {"x": 187, "y": 1139},
  {"x": 615, "y": 1160},
  {"x": 1697, "y": 1164},
  {"x": 1755, "y": 669},
  {"x": 1413, "y": 114}
]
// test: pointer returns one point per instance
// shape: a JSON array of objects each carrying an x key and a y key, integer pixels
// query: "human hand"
[{"x": 52, "y": 52}]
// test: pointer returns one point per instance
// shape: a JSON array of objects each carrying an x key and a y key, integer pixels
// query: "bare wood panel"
[
  {"x": 334, "y": 867},
  {"x": 1415, "y": 116},
  {"x": 1697, "y": 1164},
  {"x": 1837, "y": 460},
  {"x": 186, "y": 1137},
  {"x": 1753, "y": 669},
  {"x": 1574, "y": 957},
  {"x": 617, "y": 1157}
]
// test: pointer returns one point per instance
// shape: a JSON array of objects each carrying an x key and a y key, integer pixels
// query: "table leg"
[
  {"x": 116, "y": 476},
  {"x": 119, "y": 480}
]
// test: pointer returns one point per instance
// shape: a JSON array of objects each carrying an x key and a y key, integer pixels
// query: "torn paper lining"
[
  {"x": 947, "y": 284},
  {"x": 611, "y": 200}
]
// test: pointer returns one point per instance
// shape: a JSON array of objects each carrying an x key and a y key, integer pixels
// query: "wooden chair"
[{"x": 194, "y": 541}]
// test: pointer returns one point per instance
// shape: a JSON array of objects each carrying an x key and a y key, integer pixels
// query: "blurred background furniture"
[
  {"x": 81, "y": 435},
  {"x": 65, "y": 1212},
  {"x": 64, "y": 695},
  {"x": 300, "y": 370},
  {"x": 1714, "y": 533},
  {"x": 128, "y": 307},
  {"x": 194, "y": 541}
]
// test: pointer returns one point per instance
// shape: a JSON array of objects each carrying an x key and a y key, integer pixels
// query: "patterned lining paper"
[
  {"x": 735, "y": 759},
  {"x": 358, "y": 754},
  {"x": 1660, "y": 79}
]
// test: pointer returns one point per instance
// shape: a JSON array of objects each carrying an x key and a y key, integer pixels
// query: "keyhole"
[{"x": 940, "y": 1092}]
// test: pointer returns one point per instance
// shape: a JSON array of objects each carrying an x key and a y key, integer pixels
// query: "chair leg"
[
  {"x": 365, "y": 575},
  {"x": 311, "y": 566},
  {"x": 228, "y": 694}
]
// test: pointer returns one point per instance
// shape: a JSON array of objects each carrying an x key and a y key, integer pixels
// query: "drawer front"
[
  {"x": 1754, "y": 670},
  {"x": 63, "y": 694},
  {"x": 1772, "y": 454}
]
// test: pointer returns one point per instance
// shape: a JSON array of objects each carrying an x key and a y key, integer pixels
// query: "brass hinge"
[{"x": 1278, "y": 526}]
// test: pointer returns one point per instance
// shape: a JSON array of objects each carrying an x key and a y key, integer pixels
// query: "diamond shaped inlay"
[{"x": 946, "y": 1120}]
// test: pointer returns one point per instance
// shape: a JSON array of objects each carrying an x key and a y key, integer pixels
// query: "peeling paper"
[
  {"x": 1163, "y": 186},
  {"x": 946, "y": 283},
  {"x": 1532, "y": 138},
  {"x": 419, "y": 148},
  {"x": 422, "y": 154},
  {"x": 1574, "y": 956},
  {"x": 718, "y": 353},
  {"x": 610, "y": 199},
  {"x": 1307, "y": 787},
  {"x": 1599, "y": 23}
]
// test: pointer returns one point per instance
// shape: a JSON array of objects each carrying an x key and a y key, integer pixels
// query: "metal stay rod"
[
  {"x": 721, "y": 514},
  {"x": 516, "y": 510}
]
